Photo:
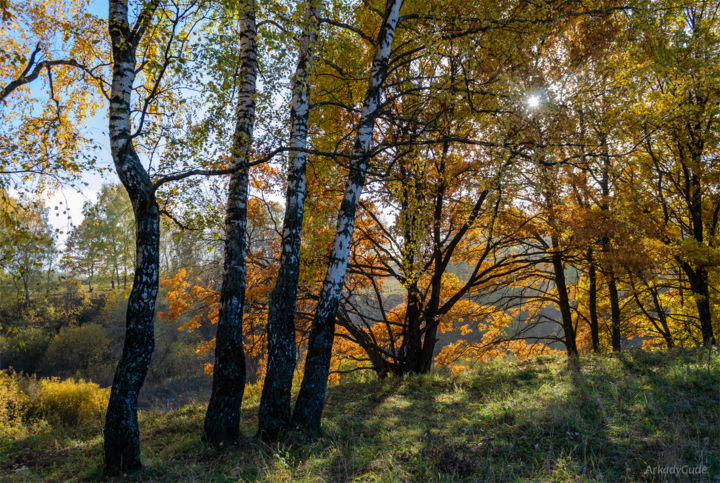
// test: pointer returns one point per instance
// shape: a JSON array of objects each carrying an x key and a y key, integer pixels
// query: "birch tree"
[
  {"x": 222, "y": 419},
  {"x": 142, "y": 51},
  {"x": 311, "y": 399},
  {"x": 122, "y": 439},
  {"x": 275, "y": 402}
]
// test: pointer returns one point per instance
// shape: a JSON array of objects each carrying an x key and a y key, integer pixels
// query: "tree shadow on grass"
[
  {"x": 601, "y": 422},
  {"x": 604, "y": 418}
]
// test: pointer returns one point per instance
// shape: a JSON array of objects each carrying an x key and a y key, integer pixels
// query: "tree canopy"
[{"x": 318, "y": 188}]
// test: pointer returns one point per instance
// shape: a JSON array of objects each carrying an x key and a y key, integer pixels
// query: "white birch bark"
[
  {"x": 274, "y": 415},
  {"x": 121, "y": 435},
  {"x": 310, "y": 402},
  {"x": 222, "y": 419}
]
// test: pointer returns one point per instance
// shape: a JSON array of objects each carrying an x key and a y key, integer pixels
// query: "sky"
[
  {"x": 66, "y": 204},
  {"x": 71, "y": 200}
]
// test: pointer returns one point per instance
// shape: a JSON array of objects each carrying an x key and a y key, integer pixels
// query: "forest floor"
[{"x": 634, "y": 416}]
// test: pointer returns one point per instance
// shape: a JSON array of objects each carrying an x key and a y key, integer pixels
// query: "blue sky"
[{"x": 72, "y": 199}]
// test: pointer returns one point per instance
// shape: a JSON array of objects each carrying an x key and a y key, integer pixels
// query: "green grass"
[{"x": 604, "y": 418}]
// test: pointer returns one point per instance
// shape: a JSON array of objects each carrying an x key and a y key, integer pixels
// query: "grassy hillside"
[{"x": 604, "y": 418}]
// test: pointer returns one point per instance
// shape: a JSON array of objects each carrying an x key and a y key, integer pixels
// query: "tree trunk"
[
  {"x": 122, "y": 437},
  {"x": 122, "y": 443},
  {"x": 26, "y": 286},
  {"x": 311, "y": 399},
  {"x": 698, "y": 275},
  {"x": 614, "y": 311},
  {"x": 428, "y": 348},
  {"x": 90, "y": 278},
  {"x": 563, "y": 299},
  {"x": 411, "y": 347},
  {"x": 698, "y": 279},
  {"x": 275, "y": 412},
  {"x": 439, "y": 266},
  {"x": 666, "y": 333},
  {"x": 222, "y": 419},
  {"x": 605, "y": 242},
  {"x": 592, "y": 302}
]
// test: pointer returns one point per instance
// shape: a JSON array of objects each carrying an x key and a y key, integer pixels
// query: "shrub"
[
  {"x": 24, "y": 347},
  {"x": 174, "y": 359},
  {"x": 68, "y": 403},
  {"x": 12, "y": 403},
  {"x": 76, "y": 349}
]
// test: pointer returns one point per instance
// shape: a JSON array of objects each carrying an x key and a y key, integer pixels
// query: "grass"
[{"x": 601, "y": 418}]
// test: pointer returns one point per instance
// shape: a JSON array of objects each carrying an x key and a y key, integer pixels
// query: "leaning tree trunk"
[
  {"x": 665, "y": 330},
  {"x": 274, "y": 416},
  {"x": 311, "y": 399},
  {"x": 222, "y": 419},
  {"x": 122, "y": 441},
  {"x": 563, "y": 299}
]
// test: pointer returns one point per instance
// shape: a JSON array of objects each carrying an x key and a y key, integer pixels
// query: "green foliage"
[
  {"x": 101, "y": 247},
  {"x": 73, "y": 333},
  {"x": 27, "y": 242},
  {"x": 23, "y": 347},
  {"x": 77, "y": 348},
  {"x": 173, "y": 359}
]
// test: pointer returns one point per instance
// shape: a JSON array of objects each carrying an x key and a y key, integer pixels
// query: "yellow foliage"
[
  {"x": 69, "y": 402},
  {"x": 12, "y": 403}
]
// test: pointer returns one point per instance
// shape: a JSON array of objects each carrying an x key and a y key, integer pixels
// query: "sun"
[{"x": 533, "y": 102}]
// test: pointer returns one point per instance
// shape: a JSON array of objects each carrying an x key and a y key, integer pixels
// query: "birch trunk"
[
  {"x": 311, "y": 399},
  {"x": 122, "y": 442},
  {"x": 222, "y": 419},
  {"x": 275, "y": 411}
]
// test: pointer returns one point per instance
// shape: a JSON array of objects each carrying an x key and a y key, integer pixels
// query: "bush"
[
  {"x": 69, "y": 402},
  {"x": 12, "y": 403},
  {"x": 174, "y": 359},
  {"x": 23, "y": 348},
  {"x": 76, "y": 349}
]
